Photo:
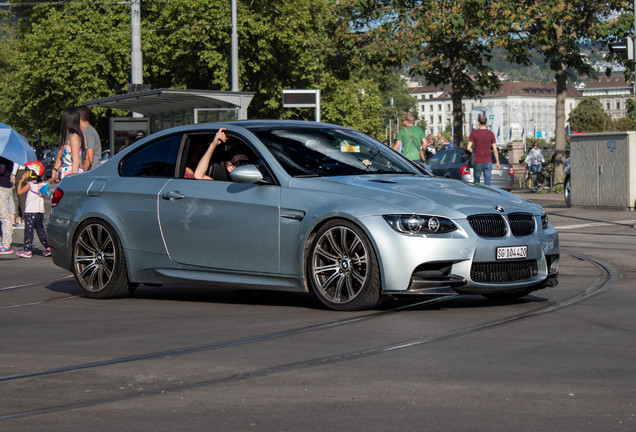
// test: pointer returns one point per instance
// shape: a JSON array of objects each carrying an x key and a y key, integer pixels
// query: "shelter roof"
[{"x": 157, "y": 102}]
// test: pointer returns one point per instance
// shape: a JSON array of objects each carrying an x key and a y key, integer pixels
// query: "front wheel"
[
  {"x": 342, "y": 267},
  {"x": 99, "y": 265}
]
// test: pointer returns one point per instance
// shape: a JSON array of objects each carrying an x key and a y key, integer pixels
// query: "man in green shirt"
[{"x": 412, "y": 139}]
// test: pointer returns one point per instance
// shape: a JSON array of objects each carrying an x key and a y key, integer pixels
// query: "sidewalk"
[{"x": 539, "y": 196}]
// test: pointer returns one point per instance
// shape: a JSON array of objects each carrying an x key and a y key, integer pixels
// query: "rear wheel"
[
  {"x": 99, "y": 265},
  {"x": 566, "y": 192},
  {"x": 342, "y": 267}
]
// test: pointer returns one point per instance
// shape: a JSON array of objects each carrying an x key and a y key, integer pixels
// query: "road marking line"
[{"x": 628, "y": 223}]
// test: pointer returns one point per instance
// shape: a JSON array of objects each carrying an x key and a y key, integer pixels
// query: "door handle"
[{"x": 173, "y": 195}]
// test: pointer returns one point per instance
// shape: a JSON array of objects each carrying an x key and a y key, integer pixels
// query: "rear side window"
[
  {"x": 155, "y": 159},
  {"x": 502, "y": 159},
  {"x": 457, "y": 157},
  {"x": 436, "y": 159}
]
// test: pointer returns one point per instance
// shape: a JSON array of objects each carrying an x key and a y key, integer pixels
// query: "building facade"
[
  {"x": 613, "y": 93},
  {"x": 516, "y": 111}
]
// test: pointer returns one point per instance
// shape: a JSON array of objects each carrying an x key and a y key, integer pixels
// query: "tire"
[
  {"x": 342, "y": 268},
  {"x": 507, "y": 295},
  {"x": 99, "y": 265},
  {"x": 567, "y": 192}
]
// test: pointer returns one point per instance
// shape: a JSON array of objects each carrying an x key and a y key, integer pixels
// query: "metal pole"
[
  {"x": 234, "y": 43},
  {"x": 135, "y": 53},
  {"x": 136, "y": 68}
]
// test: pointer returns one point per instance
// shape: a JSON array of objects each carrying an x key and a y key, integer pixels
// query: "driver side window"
[{"x": 225, "y": 157}]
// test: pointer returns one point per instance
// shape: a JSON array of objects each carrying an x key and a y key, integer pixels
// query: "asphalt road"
[{"x": 183, "y": 358}]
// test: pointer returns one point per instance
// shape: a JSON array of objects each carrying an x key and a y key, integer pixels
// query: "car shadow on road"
[
  {"x": 65, "y": 286},
  {"x": 198, "y": 294}
]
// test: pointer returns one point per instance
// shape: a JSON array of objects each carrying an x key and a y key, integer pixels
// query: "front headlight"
[
  {"x": 420, "y": 224},
  {"x": 544, "y": 220}
]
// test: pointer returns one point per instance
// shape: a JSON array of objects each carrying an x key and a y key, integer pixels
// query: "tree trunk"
[
  {"x": 458, "y": 118},
  {"x": 559, "y": 158}
]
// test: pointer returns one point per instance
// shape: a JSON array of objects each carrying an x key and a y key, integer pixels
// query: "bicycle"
[{"x": 544, "y": 179}]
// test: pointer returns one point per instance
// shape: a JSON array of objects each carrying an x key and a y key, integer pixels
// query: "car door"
[{"x": 221, "y": 224}]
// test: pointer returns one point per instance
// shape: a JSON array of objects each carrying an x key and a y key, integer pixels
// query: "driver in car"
[{"x": 233, "y": 161}]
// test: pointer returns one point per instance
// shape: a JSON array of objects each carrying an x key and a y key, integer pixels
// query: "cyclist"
[{"x": 534, "y": 160}]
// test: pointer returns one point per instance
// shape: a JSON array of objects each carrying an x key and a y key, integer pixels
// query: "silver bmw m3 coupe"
[{"x": 294, "y": 206}]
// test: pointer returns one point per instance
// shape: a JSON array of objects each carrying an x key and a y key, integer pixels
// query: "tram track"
[{"x": 607, "y": 281}]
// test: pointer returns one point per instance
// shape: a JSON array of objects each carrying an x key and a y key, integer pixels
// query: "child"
[{"x": 30, "y": 183}]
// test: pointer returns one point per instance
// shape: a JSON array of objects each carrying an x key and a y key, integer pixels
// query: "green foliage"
[
  {"x": 450, "y": 41},
  {"x": 65, "y": 55},
  {"x": 589, "y": 116},
  {"x": 61, "y": 54},
  {"x": 556, "y": 29},
  {"x": 624, "y": 124},
  {"x": 631, "y": 109}
]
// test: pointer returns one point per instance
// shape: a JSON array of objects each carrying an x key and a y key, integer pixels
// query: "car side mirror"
[{"x": 248, "y": 174}]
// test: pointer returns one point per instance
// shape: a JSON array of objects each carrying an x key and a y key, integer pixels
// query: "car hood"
[{"x": 417, "y": 194}]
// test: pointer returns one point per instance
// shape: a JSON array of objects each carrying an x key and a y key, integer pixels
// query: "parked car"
[
  {"x": 449, "y": 163},
  {"x": 48, "y": 160},
  {"x": 315, "y": 207},
  {"x": 105, "y": 155}
]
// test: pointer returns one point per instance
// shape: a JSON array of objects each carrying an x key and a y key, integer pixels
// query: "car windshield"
[{"x": 325, "y": 152}]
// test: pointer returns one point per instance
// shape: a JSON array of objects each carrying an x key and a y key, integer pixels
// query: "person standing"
[
  {"x": 72, "y": 149},
  {"x": 412, "y": 140},
  {"x": 93, "y": 144},
  {"x": 6, "y": 189},
  {"x": 534, "y": 160},
  {"x": 30, "y": 184},
  {"x": 483, "y": 141},
  {"x": 18, "y": 172}
]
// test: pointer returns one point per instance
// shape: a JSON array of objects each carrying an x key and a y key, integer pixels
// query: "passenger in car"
[
  {"x": 232, "y": 161},
  {"x": 194, "y": 156}
]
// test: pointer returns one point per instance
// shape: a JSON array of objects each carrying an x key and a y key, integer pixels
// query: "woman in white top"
[{"x": 534, "y": 160}]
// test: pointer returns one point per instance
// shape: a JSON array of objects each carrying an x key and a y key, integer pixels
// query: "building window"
[
  {"x": 439, "y": 107},
  {"x": 608, "y": 106},
  {"x": 448, "y": 107},
  {"x": 618, "y": 105}
]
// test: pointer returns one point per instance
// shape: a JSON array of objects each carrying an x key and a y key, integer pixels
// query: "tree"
[
  {"x": 589, "y": 116},
  {"x": 631, "y": 109},
  {"x": 624, "y": 124},
  {"x": 443, "y": 39},
  {"x": 68, "y": 52},
  {"x": 556, "y": 29}
]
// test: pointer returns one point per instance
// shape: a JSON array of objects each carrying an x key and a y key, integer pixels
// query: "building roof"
[{"x": 605, "y": 82}]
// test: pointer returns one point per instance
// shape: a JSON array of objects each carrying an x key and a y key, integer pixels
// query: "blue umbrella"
[{"x": 14, "y": 146}]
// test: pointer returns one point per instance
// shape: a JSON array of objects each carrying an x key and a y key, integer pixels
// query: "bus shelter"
[{"x": 159, "y": 109}]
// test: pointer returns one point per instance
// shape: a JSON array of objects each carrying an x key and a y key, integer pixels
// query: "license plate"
[
  {"x": 497, "y": 172},
  {"x": 513, "y": 252}
]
